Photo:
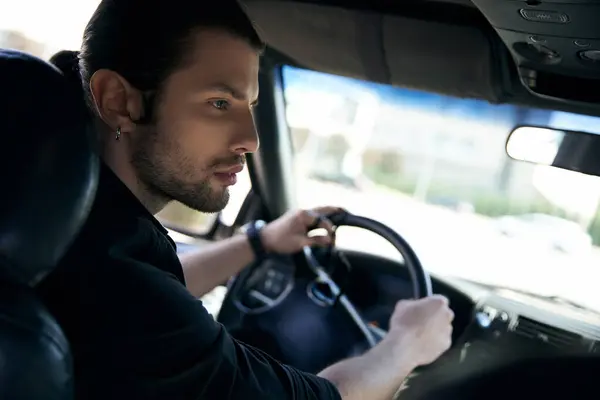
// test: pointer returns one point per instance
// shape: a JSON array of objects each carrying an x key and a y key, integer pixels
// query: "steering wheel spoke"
[{"x": 372, "y": 334}]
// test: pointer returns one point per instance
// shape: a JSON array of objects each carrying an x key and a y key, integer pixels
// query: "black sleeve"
[{"x": 157, "y": 341}]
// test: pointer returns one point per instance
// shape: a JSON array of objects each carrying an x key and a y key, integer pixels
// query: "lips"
[{"x": 232, "y": 170}]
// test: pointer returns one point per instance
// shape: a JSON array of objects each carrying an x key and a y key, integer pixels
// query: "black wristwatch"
[{"x": 252, "y": 230}]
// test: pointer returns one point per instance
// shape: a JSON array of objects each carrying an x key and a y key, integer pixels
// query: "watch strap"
[{"x": 253, "y": 234}]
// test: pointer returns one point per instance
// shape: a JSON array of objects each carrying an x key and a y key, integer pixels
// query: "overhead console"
[{"x": 555, "y": 43}]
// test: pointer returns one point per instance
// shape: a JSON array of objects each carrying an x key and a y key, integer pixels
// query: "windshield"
[{"x": 434, "y": 168}]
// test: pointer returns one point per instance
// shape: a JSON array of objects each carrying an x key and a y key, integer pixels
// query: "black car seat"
[{"x": 48, "y": 176}]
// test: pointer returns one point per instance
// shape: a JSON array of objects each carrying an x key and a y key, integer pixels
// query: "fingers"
[
  {"x": 435, "y": 304},
  {"x": 442, "y": 304},
  {"x": 314, "y": 220},
  {"x": 435, "y": 300},
  {"x": 320, "y": 240},
  {"x": 438, "y": 300},
  {"x": 326, "y": 210},
  {"x": 312, "y": 216}
]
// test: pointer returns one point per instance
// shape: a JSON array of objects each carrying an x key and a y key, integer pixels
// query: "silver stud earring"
[{"x": 118, "y": 133}]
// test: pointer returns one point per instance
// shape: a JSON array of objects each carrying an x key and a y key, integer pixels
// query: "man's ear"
[{"x": 117, "y": 102}]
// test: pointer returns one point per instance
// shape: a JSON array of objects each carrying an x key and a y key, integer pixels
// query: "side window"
[
  {"x": 16, "y": 40},
  {"x": 177, "y": 216}
]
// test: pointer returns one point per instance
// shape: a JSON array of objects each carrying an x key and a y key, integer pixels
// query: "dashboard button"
[
  {"x": 274, "y": 284},
  {"x": 537, "y": 39},
  {"x": 581, "y": 43}
]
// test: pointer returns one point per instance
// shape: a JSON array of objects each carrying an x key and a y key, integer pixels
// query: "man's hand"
[
  {"x": 214, "y": 264},
  {"x": 289, "y": 233},
  {"x": 422, "y": 329}
]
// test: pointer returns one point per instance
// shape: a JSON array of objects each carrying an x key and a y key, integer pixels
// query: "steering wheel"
[
  {"x": 421, "y": 282},
  {"x": 326, "y": 291}
]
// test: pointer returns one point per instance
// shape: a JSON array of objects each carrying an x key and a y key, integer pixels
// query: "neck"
[{"x": 153, "y": 201}]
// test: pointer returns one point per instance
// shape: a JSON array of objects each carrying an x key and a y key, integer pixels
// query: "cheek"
[
  {"x": 204, "y": 135},
  {"x": 201, "y": 146},
  {"x": 214, "y": 135}
]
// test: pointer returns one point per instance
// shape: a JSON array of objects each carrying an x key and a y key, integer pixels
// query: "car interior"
[{"x": 509, "y": 82}]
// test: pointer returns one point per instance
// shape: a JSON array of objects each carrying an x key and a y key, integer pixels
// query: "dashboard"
[
  {"x": 507, "y": 327},
  {"x": 283, "y": 312}
]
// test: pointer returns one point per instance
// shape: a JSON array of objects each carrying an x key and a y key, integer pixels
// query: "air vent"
[{"x": 553, "y": 336}]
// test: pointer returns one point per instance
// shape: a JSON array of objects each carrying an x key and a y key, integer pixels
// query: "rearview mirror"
[{"x": 571, "y": 150}]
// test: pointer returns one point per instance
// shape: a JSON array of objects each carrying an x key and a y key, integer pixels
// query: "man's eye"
[{"x": 220, "y": 104}]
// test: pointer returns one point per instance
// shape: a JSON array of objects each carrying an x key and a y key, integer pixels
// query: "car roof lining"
[{"x": 424, "y": 48}]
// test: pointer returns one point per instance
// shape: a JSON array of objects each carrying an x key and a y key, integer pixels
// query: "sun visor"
[{"x": 435, "y": 57}]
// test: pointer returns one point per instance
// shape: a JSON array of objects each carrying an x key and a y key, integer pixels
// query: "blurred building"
[{"x": 10, "y": 39}]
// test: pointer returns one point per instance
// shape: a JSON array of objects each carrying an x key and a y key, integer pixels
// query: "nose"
[{"x": 247, "y": 140}]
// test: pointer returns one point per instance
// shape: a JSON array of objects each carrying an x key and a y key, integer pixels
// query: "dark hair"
[
  {"x": 68, "y": 63},
  {"x": 146, "y": 40}
]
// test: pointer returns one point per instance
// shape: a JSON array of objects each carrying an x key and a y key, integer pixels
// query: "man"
[{"x": 171, "y": 87}]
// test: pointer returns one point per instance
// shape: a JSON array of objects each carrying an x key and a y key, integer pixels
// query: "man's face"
[{"x": 204, "y": 124}]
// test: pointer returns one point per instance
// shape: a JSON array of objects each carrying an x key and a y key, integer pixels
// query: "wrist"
[
  {"x": 396, "y": 349},
  {"x": 267, "y": 240},
  {"x": 254, "y": 232},
  {"x": 378, "y": 374}
]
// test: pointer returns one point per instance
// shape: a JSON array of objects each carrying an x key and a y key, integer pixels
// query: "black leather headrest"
[{"x": 48, "y": 171}]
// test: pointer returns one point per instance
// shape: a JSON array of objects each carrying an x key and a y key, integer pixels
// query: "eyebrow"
[{"x": 229, "y": 90}]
